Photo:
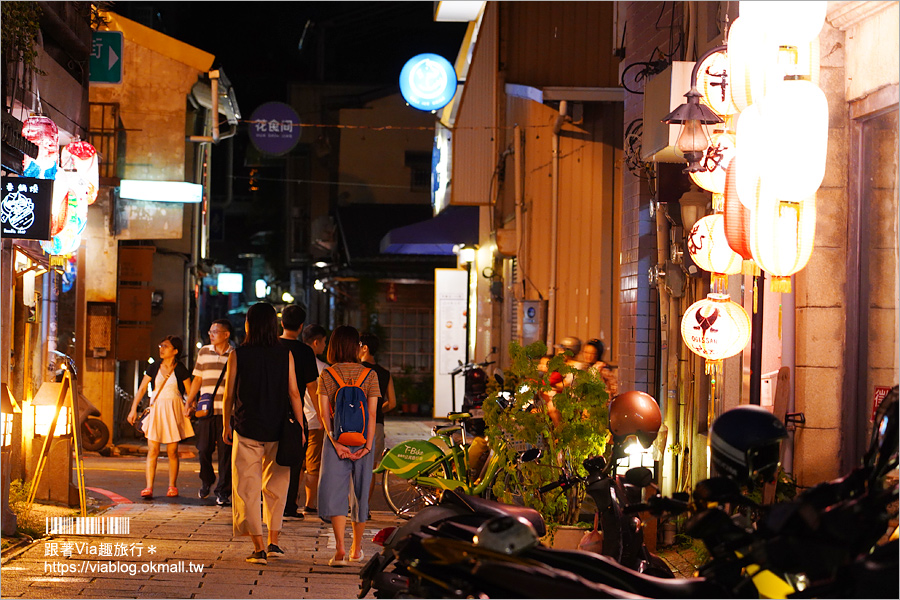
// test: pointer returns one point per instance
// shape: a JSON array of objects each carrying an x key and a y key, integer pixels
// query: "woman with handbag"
[
  {"x": 165, "y": 423},
  {"x": 260, "y": 387}
]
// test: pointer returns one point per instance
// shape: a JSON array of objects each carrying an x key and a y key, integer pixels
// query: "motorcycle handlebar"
[{"x": 657, "y": 505}]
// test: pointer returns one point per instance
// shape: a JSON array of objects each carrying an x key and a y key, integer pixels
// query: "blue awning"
[{"x": 436, "y": 236}]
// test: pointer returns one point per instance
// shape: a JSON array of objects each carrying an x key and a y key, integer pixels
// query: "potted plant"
[{"x": 568, "y": 422}]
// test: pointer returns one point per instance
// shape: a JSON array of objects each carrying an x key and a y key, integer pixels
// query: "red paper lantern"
[{"x": 737, "y": 222}]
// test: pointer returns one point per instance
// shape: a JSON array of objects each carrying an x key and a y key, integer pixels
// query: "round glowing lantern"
[
  {"x": 718, "y": 156},
  {"x": 42, "y": 131},
  {"x": 786, "y": 23},
  {"x": 753, "y": 63},
  {"x": 715, "y": 328},
  {"x": 737, "y": 222},
  {"x": 82, "y": 158},
  {"x": 59, "y": 204},
  {"x": 794, "y": 117},
  {"x": 714, "y": 83},
  {"x": 69, "y": 238},
  {"x": 710, "y": 250},
  {"x": 782, "y": 235}
]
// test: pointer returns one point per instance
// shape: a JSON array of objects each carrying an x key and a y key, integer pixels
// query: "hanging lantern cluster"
[
  {"x": 75, "y": 172},
  {"x": 765, "y": 171}
]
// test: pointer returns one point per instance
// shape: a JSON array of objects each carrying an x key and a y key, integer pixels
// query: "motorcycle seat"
[{"x": 491, "y": 508}]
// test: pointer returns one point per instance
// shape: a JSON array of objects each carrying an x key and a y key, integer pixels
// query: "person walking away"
[
  {"x": 209, "y": 376},
  {"x": 292, "y": 318},
  {"x": 346, "y": 470},
  {"x": 368, "y": 347},
  {"x": 592, "y": 356},
  {"x": 316, "y": 338},
  {"x": 260, "y": 385},
  {"x": 166, "y": 423}
]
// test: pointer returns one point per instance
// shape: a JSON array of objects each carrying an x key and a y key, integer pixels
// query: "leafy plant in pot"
[{"x": 568, "y": 422}]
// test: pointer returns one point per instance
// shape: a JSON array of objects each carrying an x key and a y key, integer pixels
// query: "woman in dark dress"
[{"x": 260, "y": 384}]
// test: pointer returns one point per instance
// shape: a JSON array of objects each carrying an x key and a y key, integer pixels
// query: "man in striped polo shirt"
[{"x": 208, "y": 430}]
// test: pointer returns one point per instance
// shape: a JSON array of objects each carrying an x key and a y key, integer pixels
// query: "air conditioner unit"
[{"x": 663, "y": 93}]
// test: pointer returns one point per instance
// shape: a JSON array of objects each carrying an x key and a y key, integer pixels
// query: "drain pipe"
[
  {"x": 554, "y": 233},
  {"x": 519, "y": 288}
]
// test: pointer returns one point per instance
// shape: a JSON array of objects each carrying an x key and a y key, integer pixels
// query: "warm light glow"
[
  {"x": 794, "y": 119},
  {"x": 80, "y": 158},
  {"x": 286, "y": 297},
  {"x": 43, "y": 416},
  {"x": 709, "y": 247},
  {"x": 753, "y": 62},
  {"x": 715, "y": 327},
  {"x": 318, "y": 285},
  {"x": 714, "y": 83},
  {"x": 782, "y": 235},
  {"x": 718, "y": 156},
  {"x": 466, "y": 255},
  {"x": 737, "y": 222},
  {"x": 785, "y": 23}
]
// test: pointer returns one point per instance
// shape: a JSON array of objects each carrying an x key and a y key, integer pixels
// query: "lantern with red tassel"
[
  {"x": 737, "y": 222},
  {"x": 710, "y": 250},
  {"x": 715, "y": 328}
]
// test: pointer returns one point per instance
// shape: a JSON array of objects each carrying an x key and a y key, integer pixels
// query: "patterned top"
[
  {"x": 349, "y": 372},
  {"x": 209, "y": 366}
]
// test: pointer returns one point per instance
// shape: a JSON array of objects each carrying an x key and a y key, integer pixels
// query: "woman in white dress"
[{"x": 166, "y": 423}]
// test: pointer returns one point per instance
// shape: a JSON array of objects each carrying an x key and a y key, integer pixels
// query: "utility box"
[
  {"x": 663, "y": 93},
  {"x": 534, "y": 321}
]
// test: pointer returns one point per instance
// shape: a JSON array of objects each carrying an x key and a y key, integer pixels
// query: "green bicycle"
[{"x": 417, "y": 471}]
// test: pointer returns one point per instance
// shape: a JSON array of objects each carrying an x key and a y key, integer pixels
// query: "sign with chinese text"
[
  {"x": 274, "y": 128},
  {"x": 106, "y": 57},
  {"x": 880, "y": 392},
  {"x": 428, "y": 82},
  {"x": 25, "y": 208}
]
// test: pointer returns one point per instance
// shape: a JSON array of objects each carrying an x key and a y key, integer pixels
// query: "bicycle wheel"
[{"x": 405, "y": 497}]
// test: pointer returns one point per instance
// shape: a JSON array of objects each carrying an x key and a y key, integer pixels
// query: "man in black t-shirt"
[
  {"x": 368, "y": 346},
  {"x": 292, "y": 318}
]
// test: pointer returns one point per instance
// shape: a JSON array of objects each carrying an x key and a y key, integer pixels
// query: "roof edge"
[{"x": 159, "y": 42}]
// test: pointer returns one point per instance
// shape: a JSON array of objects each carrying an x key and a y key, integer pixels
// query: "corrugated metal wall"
[
  {"x": 558, "y": 43},
  {"x": 589, "y": 191},
  {"x": 474, "y": 132}
]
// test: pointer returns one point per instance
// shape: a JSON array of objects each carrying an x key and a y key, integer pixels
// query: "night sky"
[{"x": 258, "y": 44}]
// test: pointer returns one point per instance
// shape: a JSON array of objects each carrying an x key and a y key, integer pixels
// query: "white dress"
[{"x": 166, "y": 422}]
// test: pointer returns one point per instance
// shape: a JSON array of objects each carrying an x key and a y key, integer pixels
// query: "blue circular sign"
[
  {"x": 274, "y": 128},
  {"x": 428, "y": 82}
]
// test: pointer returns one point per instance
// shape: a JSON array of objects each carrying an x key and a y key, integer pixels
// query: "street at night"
[{"x": 450, "y": 299}]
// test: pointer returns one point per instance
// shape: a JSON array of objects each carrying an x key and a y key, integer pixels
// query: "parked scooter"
[
  {"x": 823, "y": 544},
  {"x": 474, "y": 393},
  {"x": 94, "y": 432}
]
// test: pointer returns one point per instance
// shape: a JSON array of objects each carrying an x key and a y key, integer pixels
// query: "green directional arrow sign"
[{"x": 106, "y": 57}]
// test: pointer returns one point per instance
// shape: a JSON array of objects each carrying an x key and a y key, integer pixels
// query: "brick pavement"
[{"x": 173, "y": 542}]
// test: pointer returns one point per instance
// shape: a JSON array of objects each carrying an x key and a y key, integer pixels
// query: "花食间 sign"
[
  {"x": 428, "y": 82},
  {"x": 25, "y": 208},
  {"x": 274, "y": 128}
]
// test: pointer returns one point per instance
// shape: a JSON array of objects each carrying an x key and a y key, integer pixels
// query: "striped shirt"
[{"x": 209, "y": 366}]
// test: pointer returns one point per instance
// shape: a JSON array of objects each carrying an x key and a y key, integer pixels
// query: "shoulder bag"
[
  {"x": 139, "y": 422},
  {"x": 207, "y": 401}
]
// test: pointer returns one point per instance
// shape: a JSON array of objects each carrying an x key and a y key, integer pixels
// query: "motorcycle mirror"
[
  {"x": 639, "y": 476},
  {"x": 716, "y": 490},
  {"x": 530, "y": 455},
  {"x": 499, "y": 379}
]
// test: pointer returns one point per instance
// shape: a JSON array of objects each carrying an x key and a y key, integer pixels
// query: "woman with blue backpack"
[{"x": 348, "y": 398}]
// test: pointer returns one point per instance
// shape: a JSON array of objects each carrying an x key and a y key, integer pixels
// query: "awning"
[{"x": 436, "y": 236}]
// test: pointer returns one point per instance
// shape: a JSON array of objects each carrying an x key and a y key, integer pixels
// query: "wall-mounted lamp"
[{"x": 692, "y": 115}]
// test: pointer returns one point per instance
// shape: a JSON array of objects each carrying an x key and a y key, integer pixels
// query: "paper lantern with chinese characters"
[
  {"x": 794, "y": 119},
  {"x": 59, "y": 205},
  {"x": 81, "y": 157},
  {"x": 41, "y": 131},
  {"x": 782, "y": 235},
  {"x": 713, "y": 82},
  {"x": 718, "y": 156},
  {"x": 68, "y": 240},
  {"x": 737, "y": 222},
  {"x": 715, "y": 328},
  {"x": 786, "y": 23},
  {"x": 709, "y": 249}
]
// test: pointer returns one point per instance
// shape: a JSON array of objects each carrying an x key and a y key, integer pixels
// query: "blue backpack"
[{"x": 348, "y": 411}]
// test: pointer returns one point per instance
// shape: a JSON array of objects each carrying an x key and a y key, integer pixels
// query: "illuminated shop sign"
[
  {"x": 428, "y": 82},
  {"x": 25, "y": 208}
]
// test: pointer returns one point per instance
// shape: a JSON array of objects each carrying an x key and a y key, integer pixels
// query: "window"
[
  {"x": 410, "y": 339},
  {"x": 419, "y": 164}
]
